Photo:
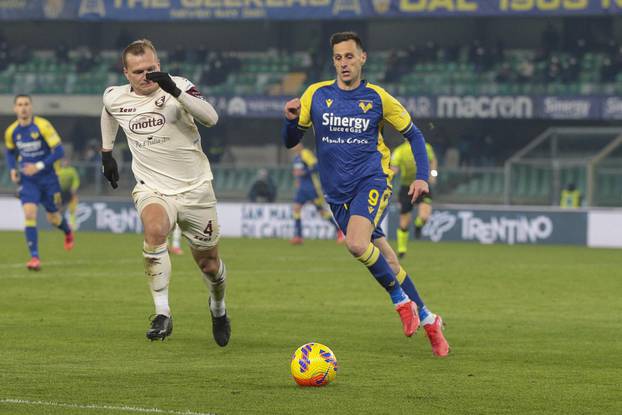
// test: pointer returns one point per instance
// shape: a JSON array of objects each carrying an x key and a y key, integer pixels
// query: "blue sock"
[
  {"x": 298, "y": 227},
  {"x": 409, "y": 287},
  {"x": 64, "y": 226},
  {"x": 32, "y": 240},
  {"x": 381, "y": 270}
]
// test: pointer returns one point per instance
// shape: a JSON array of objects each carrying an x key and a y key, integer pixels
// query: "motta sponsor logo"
[
  {"x": 147, "y": 123},
  {"x": 613, "y": 108},
  {"x": 336, "y": 123},
  {"x": 484, "y": 107},
  {"x": 567, "y": 108}
]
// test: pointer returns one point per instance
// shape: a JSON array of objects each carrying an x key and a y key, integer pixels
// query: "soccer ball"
[{"x": 313, "y": 364}]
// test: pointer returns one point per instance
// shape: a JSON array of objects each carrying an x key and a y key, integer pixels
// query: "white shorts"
[{"x": 194, "y": 211}]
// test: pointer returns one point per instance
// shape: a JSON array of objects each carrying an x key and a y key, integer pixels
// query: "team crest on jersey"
[
  {"x": 160, "y": 101},
  {"x": 365, "y": 105},
  {"x": 329, "y": 102},
  {"x": 34, "y": 135}
]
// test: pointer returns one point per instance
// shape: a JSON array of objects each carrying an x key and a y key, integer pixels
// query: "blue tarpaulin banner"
[{"x": 170, "y": 10}]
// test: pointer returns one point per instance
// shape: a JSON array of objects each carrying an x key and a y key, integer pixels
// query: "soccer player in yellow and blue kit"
[
  {"x": 308, "y": 190},
  {"x": 33, "y": 148},
  {"x": 402, "y": 162},
  {"x": 69, "y": 180},
  {"x": 348, "y": 115}
]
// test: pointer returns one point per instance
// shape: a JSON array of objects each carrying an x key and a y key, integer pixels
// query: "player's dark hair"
[
  {"x": 21, "y": 96},
  {"x": 137, "y": 48},
  {"x": 344, "y": 37}
]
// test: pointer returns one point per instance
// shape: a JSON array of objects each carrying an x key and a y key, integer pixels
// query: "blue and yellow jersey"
[
  {"x": 403, "y": 158},
  {"x": 348, "y": 133},
  {"x": 33, "y": 142}
]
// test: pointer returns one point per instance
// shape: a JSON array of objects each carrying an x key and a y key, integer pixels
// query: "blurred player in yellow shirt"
[
  {"x": 69, "y": 180},
  {"x": 403, "y": 162}
]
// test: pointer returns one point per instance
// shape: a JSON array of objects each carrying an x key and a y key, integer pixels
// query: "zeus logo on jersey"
[
  {"x": 147, "y": 123},
  {"x": 345, "y": 124}
]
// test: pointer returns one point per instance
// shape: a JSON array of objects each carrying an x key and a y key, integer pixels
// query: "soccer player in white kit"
[{"x": 157, "y": 112}]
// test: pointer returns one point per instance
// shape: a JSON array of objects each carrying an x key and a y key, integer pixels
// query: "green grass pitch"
[{"x": 534, "y": 330}]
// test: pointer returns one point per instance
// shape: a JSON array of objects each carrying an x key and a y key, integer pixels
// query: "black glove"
[
  {"x": 110, "y": 169},
  {"x": 165, "y": 81}
]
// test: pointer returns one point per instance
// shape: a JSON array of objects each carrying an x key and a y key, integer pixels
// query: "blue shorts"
[
  {"x": 371, "y": 201},
  {"x": 305, "y": 194},
  {"x": 44, "y": 190}
]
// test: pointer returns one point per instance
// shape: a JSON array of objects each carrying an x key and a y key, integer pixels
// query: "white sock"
[
  {"x": 216, "y": 286},
  {"x": 429, "y": 319},
  {"x": 158, "y": 272},
  {"x": 176, "y": 237}
]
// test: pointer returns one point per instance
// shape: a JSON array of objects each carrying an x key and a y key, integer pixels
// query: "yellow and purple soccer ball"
[{"x": 313, "y": 364}]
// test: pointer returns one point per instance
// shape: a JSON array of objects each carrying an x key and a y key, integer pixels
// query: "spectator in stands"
[
  {"x": 550, "y": 39},
  {"x": 392, "y": 73},
  {"x": 526, "y": 70},
  {"x": 504, "y": 74},
  {"x": 570, "y": 71},
  {"x": 20, "y": 54},
  {"x": 263, "y": 188},
  {"x": 553, "y": 71},
  {"x": 570, "y": 197},
  {"x": 5, "y": 60},
  {"x": 62, "y": 53},
  {"x": 86, "y": 60},
  {"x": 608, "y": 71}
]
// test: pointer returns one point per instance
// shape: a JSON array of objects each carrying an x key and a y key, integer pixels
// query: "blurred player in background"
[
  {"x": 33, "y": 150},
  {"x": 348, "y": 115},
  {"x": 157, "y": 112},
  {"x": 403, "y": 162},
  {"x": 69, "y": 180},
  {"x": 570, "y": 197},
  {"x": 308, "y": 190}
]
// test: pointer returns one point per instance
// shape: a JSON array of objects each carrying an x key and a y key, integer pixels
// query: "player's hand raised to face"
[
  {"x": 165, "y": 81},
  {"x": 292, "y": 109},
  {"x": 418, "y": 189}
]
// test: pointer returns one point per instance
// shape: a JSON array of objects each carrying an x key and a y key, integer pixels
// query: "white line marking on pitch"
[
  {"x": 76, "y": 262},
  {"x": 104, "y": 407}
]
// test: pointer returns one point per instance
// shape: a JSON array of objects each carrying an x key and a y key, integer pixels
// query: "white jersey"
[{"x": 164, "y": 140}]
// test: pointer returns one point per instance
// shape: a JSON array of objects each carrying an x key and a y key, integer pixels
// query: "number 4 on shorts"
[{"x": 208, "y": 229}]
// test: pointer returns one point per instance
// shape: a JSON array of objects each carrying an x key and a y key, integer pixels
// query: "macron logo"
[{"x": 345, "y": 124}]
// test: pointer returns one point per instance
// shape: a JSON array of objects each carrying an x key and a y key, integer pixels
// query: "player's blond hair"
[{"x": 137, "y": 48}]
